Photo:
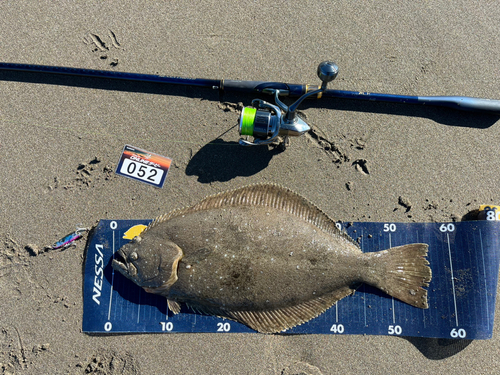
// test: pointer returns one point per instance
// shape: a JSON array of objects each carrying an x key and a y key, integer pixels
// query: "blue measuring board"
[{"x": 464, "y": 258}]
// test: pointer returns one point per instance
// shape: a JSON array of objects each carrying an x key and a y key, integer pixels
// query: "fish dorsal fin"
[
  {"x": 265, "y": 195},
  {"x": 278, "y": 320}
]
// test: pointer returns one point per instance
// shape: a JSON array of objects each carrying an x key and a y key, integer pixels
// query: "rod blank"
[{"x": 490, "y": 106}]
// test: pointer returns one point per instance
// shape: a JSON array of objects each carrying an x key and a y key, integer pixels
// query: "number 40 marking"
[{"x": 337, "y": 328}]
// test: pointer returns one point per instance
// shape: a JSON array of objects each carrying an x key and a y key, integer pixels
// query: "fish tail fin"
[{"x": 403, "y": 273}]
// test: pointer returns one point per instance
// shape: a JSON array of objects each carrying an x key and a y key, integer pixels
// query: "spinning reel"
[{"x": 266, "y": 122}]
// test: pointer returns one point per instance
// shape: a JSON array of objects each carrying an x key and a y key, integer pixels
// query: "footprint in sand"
[{"x": 106, "y": 50}]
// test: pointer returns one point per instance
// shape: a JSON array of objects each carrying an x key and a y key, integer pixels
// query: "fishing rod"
[{"x": 263, "y": 121}]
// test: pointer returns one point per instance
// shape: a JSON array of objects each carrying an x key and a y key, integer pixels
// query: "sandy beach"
[{"x": 61, "y": 139}]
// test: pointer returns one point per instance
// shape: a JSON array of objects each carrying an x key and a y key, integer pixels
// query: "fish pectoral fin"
[
  {"x": 278, "y": 320},
  {"x": 173, "y": 306}
]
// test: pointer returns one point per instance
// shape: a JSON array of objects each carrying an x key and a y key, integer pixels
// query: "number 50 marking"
[
  {"x": 390, "y": 227},
  {"x": 395, "y": 330}
]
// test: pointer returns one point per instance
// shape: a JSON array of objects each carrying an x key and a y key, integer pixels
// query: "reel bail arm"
[{"x": 266, "y": 122}]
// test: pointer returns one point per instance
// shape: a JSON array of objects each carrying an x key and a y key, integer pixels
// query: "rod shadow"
[
  {"x": 441, "y": 115},
  {"x": 222, "y": 161}
]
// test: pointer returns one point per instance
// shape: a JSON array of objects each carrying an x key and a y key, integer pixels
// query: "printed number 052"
[
  {"x": 144, "y": 172},
  {"x": 141, "y": 171}
]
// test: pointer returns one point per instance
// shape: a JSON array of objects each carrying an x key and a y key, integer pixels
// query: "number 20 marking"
[{"x": 223, "y": 327}]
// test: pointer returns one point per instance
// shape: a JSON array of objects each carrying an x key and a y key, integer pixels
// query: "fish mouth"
[{"x": 121, "y": 264}]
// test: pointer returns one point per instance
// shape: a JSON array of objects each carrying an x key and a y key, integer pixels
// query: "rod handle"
[{"x": 463, "y": 103}]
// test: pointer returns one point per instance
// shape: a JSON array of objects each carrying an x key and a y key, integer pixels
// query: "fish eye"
[
  {"x": 137, "y": 239},
  {"x": 133, "y": 256}
]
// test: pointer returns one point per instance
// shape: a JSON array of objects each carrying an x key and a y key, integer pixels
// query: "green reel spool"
[
  {"x": 258, "y": 123},
  {"x": 247, "y": 119}
]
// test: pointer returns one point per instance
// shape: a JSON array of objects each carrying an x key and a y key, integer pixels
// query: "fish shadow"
[
  {"x": 431, "y": 348},
  {"x": 436, "y": 349},
  {"x": 222, "y": 161}
]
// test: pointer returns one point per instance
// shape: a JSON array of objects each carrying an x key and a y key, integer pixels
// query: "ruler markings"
[
  {"x": 452, "y": 278},
  {"x": 471, "y": 304},
  {"x": 112, "y": 279},
  {"x": 364, "y": 292},
  {"x": 484, "y": 278},
  {"x": 392, "y": 298},
  {"x": 409, "y": 319},
  {"x": 139, "y": 307}
]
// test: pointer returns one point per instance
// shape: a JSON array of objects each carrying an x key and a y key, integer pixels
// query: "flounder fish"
[{"x": 264, "y": 256}]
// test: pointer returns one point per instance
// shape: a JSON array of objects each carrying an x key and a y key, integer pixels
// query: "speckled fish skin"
[{"x": 264, "y": 256}]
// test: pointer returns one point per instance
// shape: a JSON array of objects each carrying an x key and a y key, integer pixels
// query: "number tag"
[{"x": 143, "y": 166}]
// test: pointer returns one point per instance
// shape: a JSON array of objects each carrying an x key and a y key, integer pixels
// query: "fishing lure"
[{"x": 67, "y": 240}]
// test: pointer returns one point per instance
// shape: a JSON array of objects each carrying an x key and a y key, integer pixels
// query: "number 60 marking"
[
  {"x": 458, "y": 333},
  {"x": 450, "y": 227}
]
